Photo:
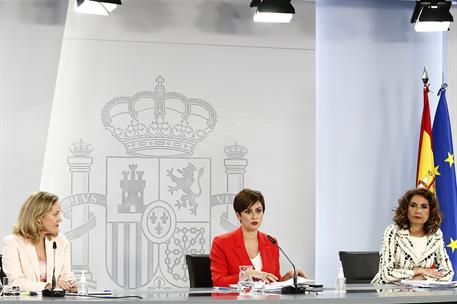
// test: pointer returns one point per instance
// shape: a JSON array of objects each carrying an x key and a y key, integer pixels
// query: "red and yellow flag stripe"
[{"x": 425, "y": 177}]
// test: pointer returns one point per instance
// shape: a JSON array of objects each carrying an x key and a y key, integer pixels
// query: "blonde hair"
[{"x": 29, "y": 224}]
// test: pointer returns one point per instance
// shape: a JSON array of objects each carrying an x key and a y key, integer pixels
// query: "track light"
[
  {"x": 96, "y": 7},
  {"x": 432, "y": 16},
  {"x": 280, "y": 11}
]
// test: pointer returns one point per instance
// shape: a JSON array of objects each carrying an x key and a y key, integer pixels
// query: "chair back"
[
  {"x": 199, "y": 267},
  {"x": 359, "y": 266}
]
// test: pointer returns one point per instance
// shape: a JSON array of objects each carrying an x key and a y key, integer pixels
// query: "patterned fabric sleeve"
[
  {"x": 387, "y": 267},
  {"x": 444, "y": 262}
]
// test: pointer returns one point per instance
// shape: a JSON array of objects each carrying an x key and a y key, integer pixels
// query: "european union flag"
[{"x": 446, "y": 189}]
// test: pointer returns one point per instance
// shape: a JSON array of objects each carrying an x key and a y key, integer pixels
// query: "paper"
[
  {"x": 429, "y": 283},
  {"x": 289, "y": 282},
  {"x": 276, "y": 286}
]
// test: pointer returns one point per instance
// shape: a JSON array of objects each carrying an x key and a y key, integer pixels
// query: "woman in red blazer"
[{"x": 246, "y": 245}]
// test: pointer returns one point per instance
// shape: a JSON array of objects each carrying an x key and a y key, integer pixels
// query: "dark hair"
[
  {"x": 246, "y": 198},
  {"x": 401, "y": 213}
]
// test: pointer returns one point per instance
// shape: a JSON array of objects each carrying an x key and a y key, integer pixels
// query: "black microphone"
[
  {"x": 53, "y": 286},
  {"x": 288, "y": 289},
  {"x": 51, "y": 292}
]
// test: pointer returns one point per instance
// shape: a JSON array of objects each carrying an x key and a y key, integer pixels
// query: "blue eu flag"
[{"x": 446, "y": 189}]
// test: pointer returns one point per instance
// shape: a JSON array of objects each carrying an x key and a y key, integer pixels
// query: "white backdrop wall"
[
  {"x": 31, "y": 33},
  {"x": 369, "y": 104},
  {"x": 364, "y": 78},
  {"x": 451, "y": 56},
  {"x": 122, "y": 78}
]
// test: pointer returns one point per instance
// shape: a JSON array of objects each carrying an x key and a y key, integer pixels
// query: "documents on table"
[
  {"x": 428, "y": 284},
  {"x": 276, "y": 286}
]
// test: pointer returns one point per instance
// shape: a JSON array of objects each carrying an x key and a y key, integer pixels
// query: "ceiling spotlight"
[
  {"x": 432, "y": 16},
  {"x": 96, "y": 7},
  {"x": 280, "y": 11}
]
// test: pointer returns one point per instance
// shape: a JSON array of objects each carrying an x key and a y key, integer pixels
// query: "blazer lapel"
[
  {"x": 432, "y": 243},
  {"x": 240, "y": 249},
  {"x": 405, "y": 244},
  {"x": 33, "y": 257}
]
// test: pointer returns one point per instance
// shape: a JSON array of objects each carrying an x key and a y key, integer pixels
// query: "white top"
[
  {"x": 43, "y": 267},
  {"x": 257, "y": 262},
  {"x": 419, "y": 244}
]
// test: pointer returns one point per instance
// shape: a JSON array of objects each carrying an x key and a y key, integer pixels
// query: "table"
[{"x": 355, "y": 294}]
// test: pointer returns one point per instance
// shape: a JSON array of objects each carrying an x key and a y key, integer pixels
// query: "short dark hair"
[
  {"x": 246, "y": 198},
  {"x": 401, "y": 213}
]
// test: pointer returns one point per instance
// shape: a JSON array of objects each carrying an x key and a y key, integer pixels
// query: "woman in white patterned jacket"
[{"x": 413, "y": 247}]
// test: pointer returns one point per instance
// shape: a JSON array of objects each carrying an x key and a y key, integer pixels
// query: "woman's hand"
[
  {"x": 67, "y": 285},
  {"x": 429, "y": 272},
  {"x": 418, "y": 277},
  {"x": 263, "y": 276},
  {"x": 290, "y": 274}
]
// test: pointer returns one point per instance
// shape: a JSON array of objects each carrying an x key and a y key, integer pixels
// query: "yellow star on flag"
[
  {"x": 435, "y": 170},
  {"x": 452, "y": 245},
  {"x": 449, "y": 159}
]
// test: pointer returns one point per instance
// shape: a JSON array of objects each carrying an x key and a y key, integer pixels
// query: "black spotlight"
[
  {"x": 432, "y": 16},
  {"x": 280, "y": 11},
  {"x": 97, "y": 7}
]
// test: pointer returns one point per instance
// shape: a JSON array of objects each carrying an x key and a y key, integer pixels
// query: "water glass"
[
  {"x": 245, "y": 280},
  {"x": 9, "y": 290},
  {"x": 5, "y": 286},
  {"x": 258, "y": 287}
]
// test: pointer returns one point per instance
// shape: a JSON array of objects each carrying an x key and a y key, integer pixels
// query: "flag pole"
[
  {"x": 442, "y": 78},
  {"x": 425, "y": 76},
  {"x": 425, "y": 176}
]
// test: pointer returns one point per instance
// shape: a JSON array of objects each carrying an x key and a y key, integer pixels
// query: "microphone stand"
[
  {"x": 295, "y": 289},
  {"x": 51, "y": 292}
]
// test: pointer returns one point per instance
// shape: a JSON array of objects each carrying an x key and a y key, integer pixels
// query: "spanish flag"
[{"x": 425, "y": 164}]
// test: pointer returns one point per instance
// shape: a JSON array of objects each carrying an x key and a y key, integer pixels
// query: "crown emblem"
[
  {"x": 159, "y": 123},
  {"x": 80, "y": 149},
  {"x": 235, "y": 151}
]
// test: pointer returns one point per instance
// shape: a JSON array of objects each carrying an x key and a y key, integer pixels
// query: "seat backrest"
[
  {"x": 359, "y": 266},
  {"x": 2, "y": 274},
  {"x": 199, "y": 269}
]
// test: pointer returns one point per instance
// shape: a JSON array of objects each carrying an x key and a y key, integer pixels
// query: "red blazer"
[{"x": 228, "y": 253}]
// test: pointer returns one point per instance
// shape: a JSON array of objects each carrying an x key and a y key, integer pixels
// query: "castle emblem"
[{"x": 132, "y": 186}]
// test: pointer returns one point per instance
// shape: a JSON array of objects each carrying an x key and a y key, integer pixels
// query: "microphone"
[
  {"x": 51, "y": 292},
  {"x": 53, "y": 284},
  {"x": 288, "y": 289}
]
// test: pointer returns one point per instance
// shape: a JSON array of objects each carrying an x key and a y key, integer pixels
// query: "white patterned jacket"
[{"x": 397, "y": 258}]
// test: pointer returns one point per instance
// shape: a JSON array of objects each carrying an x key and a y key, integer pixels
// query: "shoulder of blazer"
[
  {"x": 396, "y": 231},
  {"x": 438, "y": 234},
  {"x": 16, "y": 240},
  {"x": 61, "y": 242},
  {"x": 229, "y": 237},
  {"x": 61, "y": 239},
  {"x": 264, "y": 241}
]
